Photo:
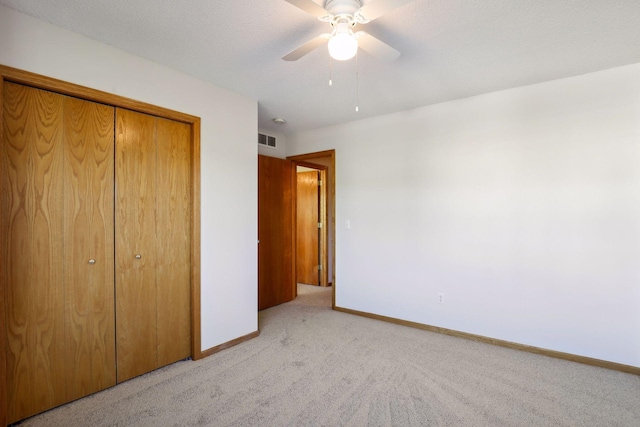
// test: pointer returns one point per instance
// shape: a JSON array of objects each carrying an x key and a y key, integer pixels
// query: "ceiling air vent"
[{"x": 266, "y": 140}]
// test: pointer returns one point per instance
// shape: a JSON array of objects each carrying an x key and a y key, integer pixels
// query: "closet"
[{"x": 96, "y": 230}]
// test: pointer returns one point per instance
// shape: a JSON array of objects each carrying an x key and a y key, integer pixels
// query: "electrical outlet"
[{"x": 440, "y": 298}]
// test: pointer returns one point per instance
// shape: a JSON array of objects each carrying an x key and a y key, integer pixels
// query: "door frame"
[
  {"x": 323, "y": 216},
  {"x": 307, "y": 160},
  {"x": 26, "y": 78}
]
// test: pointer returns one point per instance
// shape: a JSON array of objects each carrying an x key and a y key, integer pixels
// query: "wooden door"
[
  {"x": 276, "y": 278},
  {"x": 135, "y": 218},
  {"x": 57, "y": 178},
  {"x": 32, "y": 223},
  {"x": 4, "y": 281},
  {"x": 174, "y": 243},
  {"x": 153, "y": 245},
  {"x": 88, "y": 247},
  {"x": 307, "y": 219}
]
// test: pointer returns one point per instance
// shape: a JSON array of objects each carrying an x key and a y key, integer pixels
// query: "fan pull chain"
[
  {"x": 330, "y": 71},
  {"x": 357, "y": 83}
]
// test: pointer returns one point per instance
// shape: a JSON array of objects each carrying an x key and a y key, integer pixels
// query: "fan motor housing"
[{"x": 342, "y": 7}]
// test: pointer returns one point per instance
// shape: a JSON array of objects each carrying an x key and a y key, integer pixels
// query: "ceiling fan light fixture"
[{"x": 343, "y": 45}]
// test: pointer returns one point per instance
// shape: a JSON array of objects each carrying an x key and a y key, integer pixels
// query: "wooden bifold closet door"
[
  {"x": 57, "y": 181},
  {"x": 152, "y": 243},
  {"x": 96, "y": 227}
]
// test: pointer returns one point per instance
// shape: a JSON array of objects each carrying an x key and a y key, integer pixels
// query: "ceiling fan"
[{"x": 343, "y": 16}]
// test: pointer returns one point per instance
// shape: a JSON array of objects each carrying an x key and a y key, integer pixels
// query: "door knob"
[
  {"x": 138, "y": 256},
  {"x": 92, "y": 261}
]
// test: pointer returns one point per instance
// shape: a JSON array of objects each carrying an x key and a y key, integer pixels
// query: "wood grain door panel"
[
  {"x": 135, "y": 215},
  {"x": 174, "y": 243},
  {"x": 89, "y": 247},
  {"x": 307, "y": 219},
  {"x": 276, "y": 275},
  {"x": 32, "y": 225},
  {"x": 4, "y": 203}
]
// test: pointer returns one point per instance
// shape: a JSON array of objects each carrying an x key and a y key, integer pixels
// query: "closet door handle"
[
  {"x": 92, "y": 261},
  {"x": 138, "y": 256}
]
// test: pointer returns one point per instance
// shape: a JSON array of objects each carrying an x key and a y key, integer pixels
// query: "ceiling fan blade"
[
  {"x": 298, "y": 53},
  {"x": 376, "y": 47},
  {"x": 310, "y": 7},
  {"x": 377, "y": 8}
]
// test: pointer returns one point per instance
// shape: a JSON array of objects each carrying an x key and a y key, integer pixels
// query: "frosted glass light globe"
[{"x": 343, "y": 46}]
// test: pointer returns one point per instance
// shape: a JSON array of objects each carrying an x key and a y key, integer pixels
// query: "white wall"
[
  {"x": 228, "y": 154},
  {"x": 521, "y": 206}
]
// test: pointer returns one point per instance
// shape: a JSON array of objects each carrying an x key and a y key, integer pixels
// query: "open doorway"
[
  {"x": 322, "y": 164},
  {"x": 277, "y": 189}
]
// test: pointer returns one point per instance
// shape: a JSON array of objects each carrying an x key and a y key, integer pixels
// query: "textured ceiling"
[{"x": 450, "y": 48}]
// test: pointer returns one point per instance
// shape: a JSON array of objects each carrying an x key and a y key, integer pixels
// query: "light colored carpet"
[
  {"x": 312, "y": 366},
  {"x": 313, "y": 295}
]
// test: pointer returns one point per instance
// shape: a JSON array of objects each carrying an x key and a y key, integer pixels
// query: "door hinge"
[
  {"x": 319, "y": 267},
  {"x": 319, "y": 182},
  {"x": 319, "y": 225}
]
